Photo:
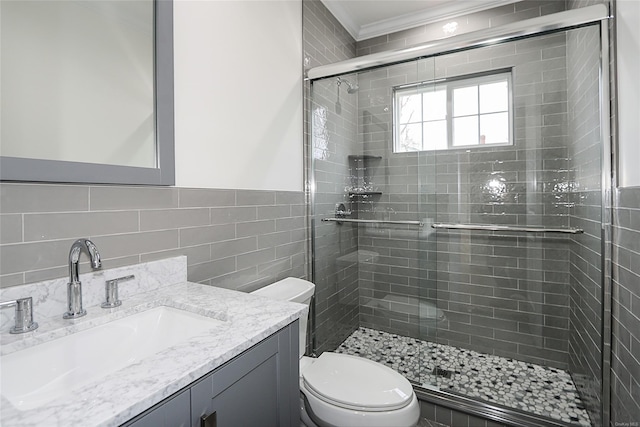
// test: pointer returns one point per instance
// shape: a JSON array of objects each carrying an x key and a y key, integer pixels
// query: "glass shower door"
[
  {"x": 457, "y": 208},
  {"x": 522, "y": 150},
  {"x": 333, "y": 136},
  {"x": 368, "y": 236}
]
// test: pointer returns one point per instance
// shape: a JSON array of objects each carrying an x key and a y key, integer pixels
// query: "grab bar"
[
  {"x": 490, "y": 227},
  {"x": 372, "y": 221}
]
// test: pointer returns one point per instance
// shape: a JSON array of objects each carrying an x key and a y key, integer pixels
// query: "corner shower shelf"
[{"x": 360, "y": 176}]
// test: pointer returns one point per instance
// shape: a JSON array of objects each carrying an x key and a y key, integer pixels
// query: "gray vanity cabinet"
[{"x": 257, "y": 388}]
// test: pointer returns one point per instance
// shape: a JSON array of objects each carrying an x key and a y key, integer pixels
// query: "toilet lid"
[{"x": 357, "y": 383}]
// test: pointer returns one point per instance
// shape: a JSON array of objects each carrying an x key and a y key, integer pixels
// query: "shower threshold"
[{"x": 541, "y": 390}]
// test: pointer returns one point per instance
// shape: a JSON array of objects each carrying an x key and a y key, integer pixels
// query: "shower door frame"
[{"x": 562, "y": 21}]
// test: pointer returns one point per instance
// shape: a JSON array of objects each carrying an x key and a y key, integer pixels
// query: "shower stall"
[{"x": 459, "y": 220}]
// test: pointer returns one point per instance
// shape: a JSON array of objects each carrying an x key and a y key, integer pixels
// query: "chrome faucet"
[{"x": 74, "y": 287}]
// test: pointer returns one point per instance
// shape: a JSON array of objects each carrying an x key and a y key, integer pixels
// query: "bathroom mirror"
[{"x": 87, "y": 91}]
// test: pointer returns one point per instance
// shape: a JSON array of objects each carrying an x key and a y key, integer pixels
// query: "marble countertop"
[{"x": 117, "y": 398}]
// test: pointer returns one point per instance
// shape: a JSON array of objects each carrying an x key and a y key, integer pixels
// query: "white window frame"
[{"x": 449, "y": 85}]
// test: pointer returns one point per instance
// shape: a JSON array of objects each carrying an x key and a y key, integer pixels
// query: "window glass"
[
  {"x": 410, "y": 137},
  {"x": 435, "y": 105},
  {"x": 494, "y": 128},
  {"x": 463, "y": 111},
  {"x": 465, "y": 101},
  {"x": 465, "y": 131},
  {"x": 494, "y": 97},
  {"x": 435, "y": 135},
  {"x": 410, "y": 108}
]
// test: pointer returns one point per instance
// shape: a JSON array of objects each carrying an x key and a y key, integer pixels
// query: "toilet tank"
[{"x": 293, "y": 290}]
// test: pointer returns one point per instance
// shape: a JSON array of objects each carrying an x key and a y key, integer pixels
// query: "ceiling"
[{"x": 364, "y": 19}]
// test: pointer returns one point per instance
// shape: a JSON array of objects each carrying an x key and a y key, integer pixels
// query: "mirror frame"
[{"x": 38, "y": 170}]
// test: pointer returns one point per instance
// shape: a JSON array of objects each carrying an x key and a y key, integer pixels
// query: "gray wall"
[
  {"x": 334, "y": 116},
  {"x": 625, "y": 361},
  {"x": 238, "y": 239}
]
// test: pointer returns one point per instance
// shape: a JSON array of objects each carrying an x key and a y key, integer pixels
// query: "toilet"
[{"x": 339, "y": 390}]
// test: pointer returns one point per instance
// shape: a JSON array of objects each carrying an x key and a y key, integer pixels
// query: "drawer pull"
[{"x": 209, "y": 420}]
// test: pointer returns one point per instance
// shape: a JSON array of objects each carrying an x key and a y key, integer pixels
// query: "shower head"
[{"x": 351, "y": 88}]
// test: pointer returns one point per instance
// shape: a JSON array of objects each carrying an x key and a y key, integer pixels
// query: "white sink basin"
[{"x": 34, "y": 376}]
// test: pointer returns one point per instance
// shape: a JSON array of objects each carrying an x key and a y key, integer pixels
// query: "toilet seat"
[{"x": 356, "y": 383}]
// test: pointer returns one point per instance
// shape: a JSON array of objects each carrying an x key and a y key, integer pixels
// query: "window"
[{"x": 467, "y": 111}]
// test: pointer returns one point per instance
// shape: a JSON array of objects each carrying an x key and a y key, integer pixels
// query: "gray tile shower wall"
[
  {"x": 325, "y": 39},
  {"x": 333, "y": 113},
  {"x": 625, "y": 362},
  {"x": 238, "y": 239},
  {"x": 505, "y": 294},
  {"x": 336, "y": 275},
  {"x": 585, "y": 339}
]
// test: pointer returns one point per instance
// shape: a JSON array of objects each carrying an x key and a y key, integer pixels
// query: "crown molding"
[
  {"x": 441, "y": 12},
  {"x": 341, "y": 14}
]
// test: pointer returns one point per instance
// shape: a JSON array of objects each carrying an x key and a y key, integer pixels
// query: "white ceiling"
[{"x": 364, "y": 19}]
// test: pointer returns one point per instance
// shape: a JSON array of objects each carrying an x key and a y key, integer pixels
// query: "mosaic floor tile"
[{"x": 529, "y": 387}]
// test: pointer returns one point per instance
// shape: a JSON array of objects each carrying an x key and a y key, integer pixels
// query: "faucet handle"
[
  {"x": 24, "y": 315},
  {"x": 111, "y": 291}
]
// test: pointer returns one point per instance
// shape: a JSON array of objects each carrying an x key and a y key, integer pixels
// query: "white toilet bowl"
[
  {"x": 338, "y": 390},
  {"x": 349, "y": 391}
]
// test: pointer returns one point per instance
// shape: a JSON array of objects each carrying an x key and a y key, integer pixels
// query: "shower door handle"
[
  {"x": 373, "y": 221},
  {"x": 492, "y": 227}
]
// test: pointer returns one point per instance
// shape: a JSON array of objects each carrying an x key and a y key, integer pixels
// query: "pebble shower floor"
[{"x": 533, "y": 388}]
